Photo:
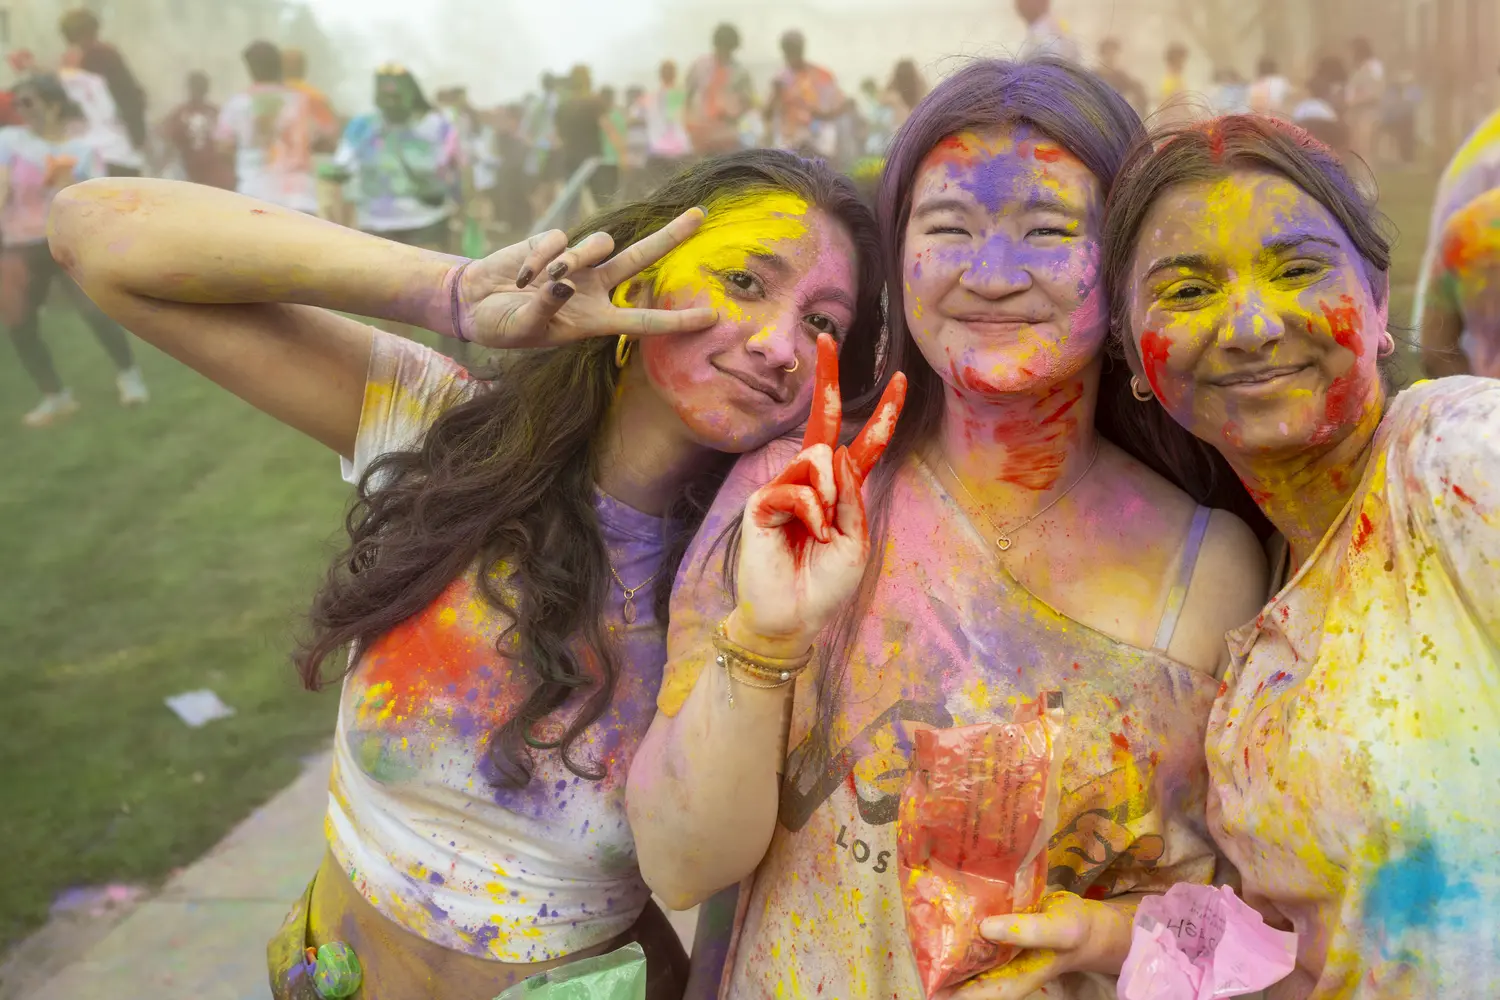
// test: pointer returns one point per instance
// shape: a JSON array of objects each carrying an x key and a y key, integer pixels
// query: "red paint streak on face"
[
  {"x": 1362, "y": 531},
  {"x": 1120, "y": 742},
  {"x": 949, "y": 153},
  {"x": 1154, "y": 350},
  {"x": 1342, "y": 404},
  {"x": 1458, "y": 491},
  {"x": 1047, "y": 154},
  {"x": 1343, "y": 324}
]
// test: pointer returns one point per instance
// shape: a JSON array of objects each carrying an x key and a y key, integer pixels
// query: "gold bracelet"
[
  {"x": 765, "y": 673},
  {"x": 757, "y": 681},
  {"x": 770, "y": 666}
]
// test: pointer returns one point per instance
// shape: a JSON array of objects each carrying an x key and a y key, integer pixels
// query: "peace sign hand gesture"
[
  {"x": 805, "y": 542},
  {"x": 501, "y": 303}
]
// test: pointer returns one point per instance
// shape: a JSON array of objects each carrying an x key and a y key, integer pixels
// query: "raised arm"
[
  {"x": 250, "y": 294},
  {"x": 704, "y": 785}
]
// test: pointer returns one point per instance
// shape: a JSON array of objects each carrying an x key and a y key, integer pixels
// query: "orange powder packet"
[{"x": 971, "y": 837}]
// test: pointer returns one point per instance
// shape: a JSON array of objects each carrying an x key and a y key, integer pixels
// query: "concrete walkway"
[{"x": 204, "y": 936}]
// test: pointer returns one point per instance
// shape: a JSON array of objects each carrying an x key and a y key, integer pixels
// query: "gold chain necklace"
[
  {"x": 630, "y": 592},
  {"x": 1003, "y": 539}
]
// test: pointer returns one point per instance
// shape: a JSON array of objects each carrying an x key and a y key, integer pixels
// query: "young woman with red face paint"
[
  {"x": 1352, "y": 751},
  {"x": 1020, "y": 548},
  {"x": 515, "y": 535}
]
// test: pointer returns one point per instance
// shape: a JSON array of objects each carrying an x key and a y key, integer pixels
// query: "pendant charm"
[
  {"x": 1003, "y": 543},
  {"x": 629, "y": 610}
]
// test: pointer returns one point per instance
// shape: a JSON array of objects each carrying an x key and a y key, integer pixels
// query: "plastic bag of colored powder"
[
  {"x": 1198, "y": 942},
  {"x": 971, "y": 837},
  {"x": 620, "y": 975}
]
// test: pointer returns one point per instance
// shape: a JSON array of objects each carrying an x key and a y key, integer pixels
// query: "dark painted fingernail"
[
  {"x": 524, "y": 278},
  {"x": 557, "y": 270},
  {"x": 563, "y": 292}
]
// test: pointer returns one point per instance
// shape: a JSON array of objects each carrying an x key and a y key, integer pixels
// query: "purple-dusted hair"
[{"x": 1084, "y": 115}]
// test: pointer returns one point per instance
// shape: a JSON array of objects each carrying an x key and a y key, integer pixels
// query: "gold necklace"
[
  {"x": 630, "y": 592},
  {"x": 1003, "y": 539}
]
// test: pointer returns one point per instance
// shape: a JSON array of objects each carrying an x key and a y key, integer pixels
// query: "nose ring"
[{"x": 796, "y": 363}]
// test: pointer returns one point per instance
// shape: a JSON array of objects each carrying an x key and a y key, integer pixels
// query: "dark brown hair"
[
  {"x": 508, "y": 476},
  {"x": 1209, "y": 151}
]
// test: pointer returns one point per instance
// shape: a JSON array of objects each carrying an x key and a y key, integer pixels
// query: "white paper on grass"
[{"x": 198, "y": 708}]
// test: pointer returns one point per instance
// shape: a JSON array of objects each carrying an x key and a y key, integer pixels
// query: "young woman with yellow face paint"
[
  {"x": 1018, "y": 548},
  {"x": 1353, "y": 750},
  {"x": 515, "y": 535}
]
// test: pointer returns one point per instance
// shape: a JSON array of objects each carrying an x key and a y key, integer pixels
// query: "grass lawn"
[{"x": 145, "y": 553}]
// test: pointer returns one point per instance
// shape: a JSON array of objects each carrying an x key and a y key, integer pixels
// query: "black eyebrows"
[{"x": 1276, "y": 247}]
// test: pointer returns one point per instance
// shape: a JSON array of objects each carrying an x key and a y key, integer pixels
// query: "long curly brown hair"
[{"x": 508, "y": 476}]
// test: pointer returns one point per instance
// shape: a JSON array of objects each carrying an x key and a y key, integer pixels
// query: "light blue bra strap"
[{"x": 1178, "y": 595}]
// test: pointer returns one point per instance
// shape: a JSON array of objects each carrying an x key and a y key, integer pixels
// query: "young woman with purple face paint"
[
  {"x": 515, "y": 535},
  {"x": 1353, "y": 751},
  {"x": 1019, "y": 552}
]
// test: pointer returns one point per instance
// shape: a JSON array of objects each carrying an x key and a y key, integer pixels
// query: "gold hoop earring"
[
  {"x": 622, "y": 351},
  {"x": 1136, "y": 391},
  {"x": 1387, "y": 346},
  {"x": 796, "y": 363}
]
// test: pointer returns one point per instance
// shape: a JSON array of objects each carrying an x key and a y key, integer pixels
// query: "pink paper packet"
[
  {"x": 971, "y": 837},
  {"x": 1199, "y": 942}
]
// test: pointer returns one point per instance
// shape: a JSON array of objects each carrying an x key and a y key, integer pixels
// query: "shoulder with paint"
[{"x": 1444, "y": 430}]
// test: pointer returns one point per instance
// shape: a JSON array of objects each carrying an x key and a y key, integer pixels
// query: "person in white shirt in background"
[
  {"x": 665, "y": 112},
  {"x": 1045, "y": 34},
  {"x": 1271, "y": 93},
  {"x": 270, "y": 128},
  {"x": 1231, "y": 94},
  {"x": 103, "y": 126},
  {"x": 1364, "y": 96}
]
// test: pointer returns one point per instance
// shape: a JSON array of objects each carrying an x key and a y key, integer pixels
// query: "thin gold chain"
[
  {"x": 1003, "y": 539},
  {"x": 628, "y": 608}
]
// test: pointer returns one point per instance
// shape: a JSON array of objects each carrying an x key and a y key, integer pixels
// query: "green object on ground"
[
  {"x": 144, "y": 553},
  {"x": 620, "y": 975},
  {"x": 336, "y": 973}
]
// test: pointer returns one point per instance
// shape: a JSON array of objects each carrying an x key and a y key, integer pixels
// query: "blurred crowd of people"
[{"x": 441, "y": 173}]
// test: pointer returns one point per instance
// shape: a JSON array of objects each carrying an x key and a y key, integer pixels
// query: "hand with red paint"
[
  {"x": 542, "y": 293},
  {"x": 804, "y": 543}
]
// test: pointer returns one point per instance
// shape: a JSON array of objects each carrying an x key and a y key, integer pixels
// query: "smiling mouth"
[
  {"x": 765, "y": 388},
  {"x": 1008, "y": 322},
  {"x": 1260, "y": 376}
]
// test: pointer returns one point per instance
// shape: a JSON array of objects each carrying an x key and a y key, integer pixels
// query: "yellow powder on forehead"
[{"x": 736, "y": 228}]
